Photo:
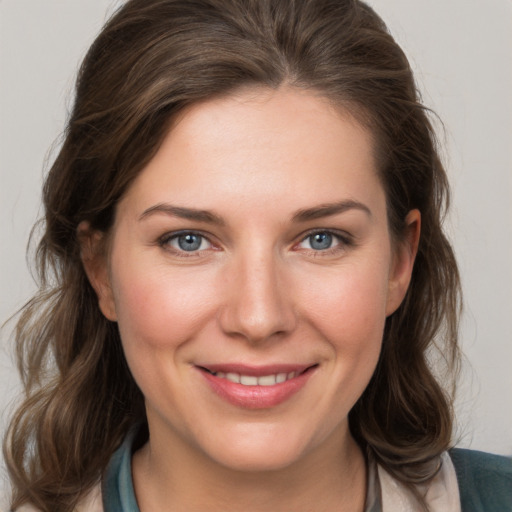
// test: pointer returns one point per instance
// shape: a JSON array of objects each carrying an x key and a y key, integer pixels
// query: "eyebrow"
[
  {"x": 183, "y": 213},
  {"x": 303, "y": 215},
  {"x": 325, "y": 210}
]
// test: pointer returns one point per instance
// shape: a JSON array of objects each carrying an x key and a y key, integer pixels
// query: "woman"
[{"x": 243, "y": 273}]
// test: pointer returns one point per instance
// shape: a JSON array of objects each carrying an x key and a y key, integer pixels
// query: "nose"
[{"x": 258, "y": 305}]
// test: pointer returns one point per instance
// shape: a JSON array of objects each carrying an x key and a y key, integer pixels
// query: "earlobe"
[
  {"x": 403, "y": 262},
  {"x": 94, "y": 260}
]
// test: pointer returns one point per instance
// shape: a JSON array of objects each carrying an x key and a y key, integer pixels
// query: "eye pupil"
[
  {"x": 321, "y": 241},
  {"x": 189, "y": 242}
]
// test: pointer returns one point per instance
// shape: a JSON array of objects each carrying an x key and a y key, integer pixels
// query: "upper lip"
[{"x": 255, "y": 371}]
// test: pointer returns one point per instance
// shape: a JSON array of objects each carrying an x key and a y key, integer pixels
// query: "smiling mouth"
[
  {"x": 251, "y": 380},
  {"x": 270, "y": 379},
  {"x": 256, "y": 387}
]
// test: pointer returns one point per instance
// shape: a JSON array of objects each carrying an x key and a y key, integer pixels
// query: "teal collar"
[{"x": 118, "y": 492}]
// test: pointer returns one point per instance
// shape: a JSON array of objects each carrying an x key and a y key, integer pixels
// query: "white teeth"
[
  {"x": 267, "y": 380},
  {"x": 250, "y": 380}
]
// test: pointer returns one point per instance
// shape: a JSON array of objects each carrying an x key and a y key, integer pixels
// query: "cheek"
[
  {"x": 350, "y": 306},
  {"x": 356, "y": 334},
  {"x": 157, "y": 308},
  {"x": 159, "y": 312}
]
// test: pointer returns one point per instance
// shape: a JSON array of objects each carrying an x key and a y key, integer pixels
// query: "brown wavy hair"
[{"x": 152, "y": 59}]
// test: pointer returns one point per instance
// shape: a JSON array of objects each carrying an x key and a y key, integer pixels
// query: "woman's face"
[{"x": 251, "y": 272}]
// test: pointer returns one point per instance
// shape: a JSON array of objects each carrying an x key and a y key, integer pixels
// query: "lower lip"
[{"x": 256, "y": 397}]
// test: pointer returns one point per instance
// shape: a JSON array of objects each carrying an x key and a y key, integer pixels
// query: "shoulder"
[{"x": 485, "y": 480}]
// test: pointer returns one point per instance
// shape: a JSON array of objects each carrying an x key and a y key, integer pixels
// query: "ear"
[
  {"x": 95, "y": 262},
  {"x": 403, "y": 262}
]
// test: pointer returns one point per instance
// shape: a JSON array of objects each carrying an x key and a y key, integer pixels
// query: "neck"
[{"x": 331, "y": 477}]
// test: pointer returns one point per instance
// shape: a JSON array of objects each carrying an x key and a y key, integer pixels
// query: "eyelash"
[
  {"x": 344, "y": 241},
  {"x": 165, "y": 240}
]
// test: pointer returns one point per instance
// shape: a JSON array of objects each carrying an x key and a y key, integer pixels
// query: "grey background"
[{"x": 462, "y": 53}]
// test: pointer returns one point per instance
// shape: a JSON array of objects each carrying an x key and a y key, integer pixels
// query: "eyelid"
[
  {"x": 345, "y": 240},
  {"x": 163, "y": 241},
  {"x": 342, "y": 235}
]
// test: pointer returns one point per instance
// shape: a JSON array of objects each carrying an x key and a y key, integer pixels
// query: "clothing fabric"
[
  {"x": 485, "y": 481},
  {"x": 467, "y": 481}
]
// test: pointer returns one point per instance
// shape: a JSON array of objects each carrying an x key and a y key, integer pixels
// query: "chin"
[
  {"x": 259, "y": 460},
  {"x": 261, "y": 448}
]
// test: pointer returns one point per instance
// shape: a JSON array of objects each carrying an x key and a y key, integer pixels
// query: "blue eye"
[
  {"x": 188, "y": 242},
  {"x": 322, "y": 241}
]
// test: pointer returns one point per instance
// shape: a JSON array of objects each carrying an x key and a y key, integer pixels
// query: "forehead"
[
  {"x": 279, "y": 117},
  {"x": 257, "y": 146}
]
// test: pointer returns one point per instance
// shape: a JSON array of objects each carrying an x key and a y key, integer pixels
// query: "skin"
[{"x": 258, "y": 291}]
